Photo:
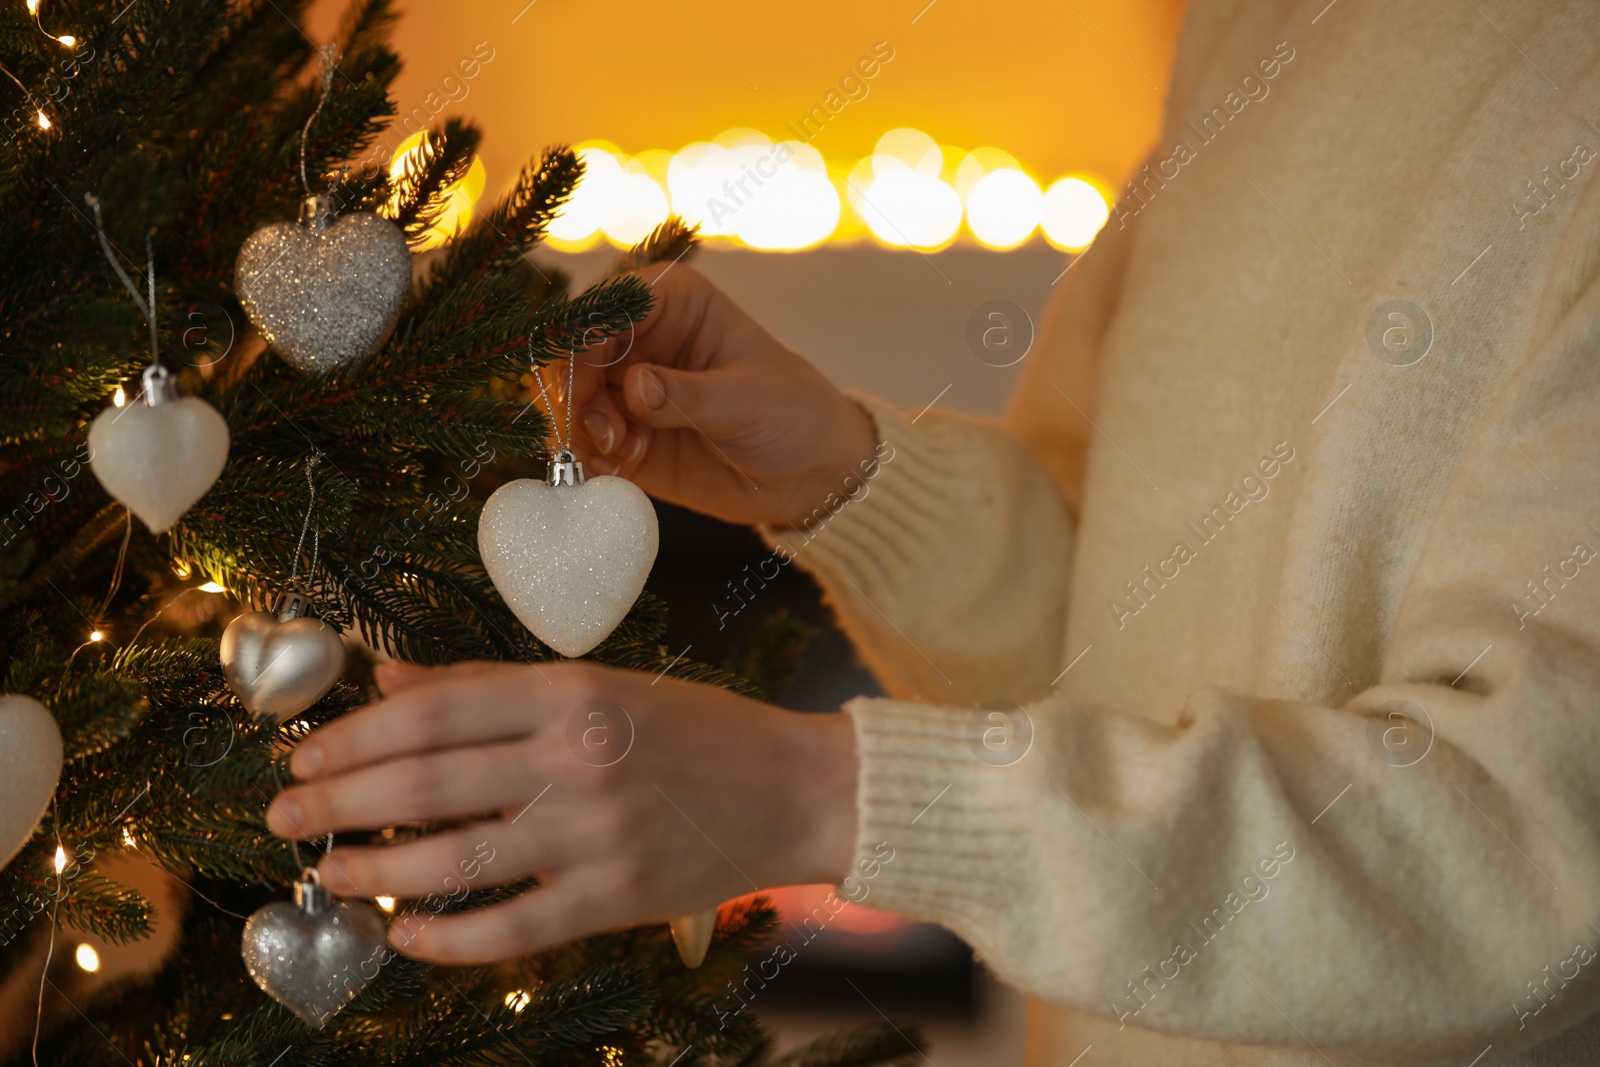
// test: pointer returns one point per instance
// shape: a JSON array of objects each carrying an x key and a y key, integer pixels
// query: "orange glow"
[{"x": 1063, "y": 87}]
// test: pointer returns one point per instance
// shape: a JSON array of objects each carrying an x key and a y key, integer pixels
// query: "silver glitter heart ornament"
[
  {"x": 324, "y": 292},
  {"x": 159, "y": 453},
  {"x": 278, "y": 665},
  {"x": 568, "y": 555},
  {"x": 315, "y": 955}
]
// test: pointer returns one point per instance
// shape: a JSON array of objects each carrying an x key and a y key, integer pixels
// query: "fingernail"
[
  {"x": 598, "y": 427},
  {"x": 633, "y": 449},
  {"x": 652, "y": 390},
  {"x": 284, "y": 816},
  {"x": 602, "y": 465},
  {"x": 308, "y": 760}
]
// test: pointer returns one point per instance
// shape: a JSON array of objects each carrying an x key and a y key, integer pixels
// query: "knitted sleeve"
[
  {"x": 946, "y": 561},
  {"x": 1410, "y": 876}
]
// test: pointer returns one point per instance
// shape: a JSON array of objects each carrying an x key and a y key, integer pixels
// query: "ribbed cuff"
[
  {"x": 937, "y": 826},
  {"x": 883, "y": 530}
]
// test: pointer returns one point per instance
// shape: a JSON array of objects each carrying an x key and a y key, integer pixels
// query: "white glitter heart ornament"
[
  {"x": 324, "y": 292},
  {"x": 160, "y": 453},
  {"x": 30, "y": 767},
  {"x": 569, "y": 555}
]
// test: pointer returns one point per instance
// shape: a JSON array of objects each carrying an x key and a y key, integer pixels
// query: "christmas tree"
[{"x": 165, "y": 132}]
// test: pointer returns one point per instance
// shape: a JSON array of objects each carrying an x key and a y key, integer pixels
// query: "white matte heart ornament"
[
  {"x": 569, "y": 558},
  {"x": 30, "y": 768},
  {"x": 279, "y": 665},
  {"x": 324, "y": 292},
  {"x": 160, "y": 453}
]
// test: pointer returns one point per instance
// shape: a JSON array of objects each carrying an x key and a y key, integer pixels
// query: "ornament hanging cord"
[
  {"x": 572, "y": 378},
  {"x": 329, "y": 54},
  {"x": 146, "y": 308},
  {"x": 295, "y": 581}
]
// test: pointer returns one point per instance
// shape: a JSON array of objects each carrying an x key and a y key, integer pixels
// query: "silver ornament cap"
[
  {"x": 315, "y": 955},
  {"x": 564, "y": 469}
]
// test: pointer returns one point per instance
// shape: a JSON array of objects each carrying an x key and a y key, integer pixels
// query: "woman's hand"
[
  {"x": 634, "y": 798},
  {"x": 701, "y": 406}
]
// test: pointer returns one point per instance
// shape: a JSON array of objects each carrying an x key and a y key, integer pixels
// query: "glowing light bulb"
[
  {"x": 386, "y": 903},
  {"x": 61, "y": 859},
  {"x": 181, "y": 568},
  {"x": 33, "y": 7},
  {"x": 518, "y": 999},
  {"x": 67, "y": 39},
  {"x": 127, "y": 837},
  {"x": 96, "y": 635},
  {"x": 1004, "y": 208},
  {"x": 119, "y": 398},
  {"x": 87, "y": 958},
  {"x": 44, "y": 121},
  {"x": 213, "y": 587},
  {"x": 1074, "y": 211}
]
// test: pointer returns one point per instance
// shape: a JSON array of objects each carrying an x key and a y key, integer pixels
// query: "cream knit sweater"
[{"x": 1304, "y": 630}]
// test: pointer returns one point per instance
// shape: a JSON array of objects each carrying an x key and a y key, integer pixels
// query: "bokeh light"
[
  {"x": 898, "y": 193},
  {"x": 88, "y": 959},
  {"x": 773, "y": 196},
  {"x": 1004, "y": 208},
  {"x": 746, "y": 188},
  {"x": 1074, "y": 211},
  {"x": 464, "y": 194}
]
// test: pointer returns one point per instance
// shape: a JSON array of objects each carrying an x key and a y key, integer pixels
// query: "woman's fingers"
[
  {"x": 441, "y": 785},
  {"x": 474, "y": 857},
  {"x": 564, "y": 908},
  {"x": 453, "y": 708}
]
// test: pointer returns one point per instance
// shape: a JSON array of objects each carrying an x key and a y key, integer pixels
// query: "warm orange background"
[{"x": 1037, "y": 78}]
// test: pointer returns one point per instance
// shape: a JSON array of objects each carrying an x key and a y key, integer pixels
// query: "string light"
[
  {"x": 127, "y": 837},
  {"x": 518, "y": 999},
  {"x": 88, "y": 958},
  {"x": 386, "y": 903},
  {"x": 38, "y": 116},
  {"x": 61, "y": 859},
  {"x": 213, "y": 587},
  {"x": 120, "y": 397},
  {"x": 181, "y": 568},
  {"x": 66, "y": 38}
]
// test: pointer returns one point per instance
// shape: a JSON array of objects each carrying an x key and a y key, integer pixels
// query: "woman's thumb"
[{"x": 666, "y": 398}]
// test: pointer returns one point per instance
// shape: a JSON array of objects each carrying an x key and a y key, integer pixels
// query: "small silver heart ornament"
[
  {"x": 278, "y": 665},
  {"x": 159, "y": 453},
  {"x": 30, "y": 768},
  {"x": 324, "y": 292},
  {"x": 315, "y": 955},
  {"x": 569, "y": 556}
]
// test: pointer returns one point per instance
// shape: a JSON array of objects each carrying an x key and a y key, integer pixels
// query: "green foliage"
[
  {"x": 184, "y": 117},
  {"x": 774, "y": 655}
]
